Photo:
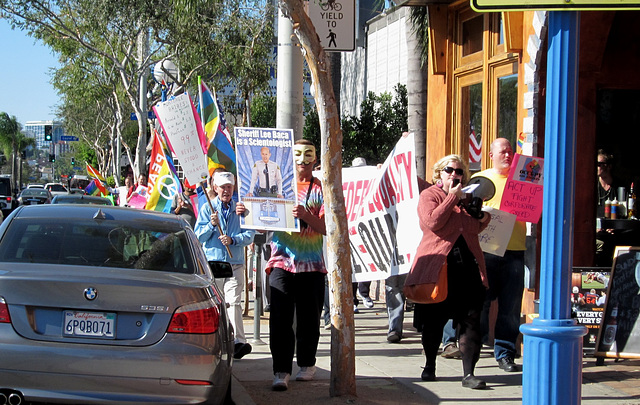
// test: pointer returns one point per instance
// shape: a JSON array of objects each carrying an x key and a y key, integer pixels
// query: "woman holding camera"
[{"x": 450, "y": 227}]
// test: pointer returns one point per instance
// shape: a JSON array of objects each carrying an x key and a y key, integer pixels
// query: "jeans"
[
  {"x": 449, "y": 333},
  {"x": 395, "y": 301},
  {"x": 506, "y": 284},
  {"x": 300, "y": 295},
  {"x": 233, "y": 288}
]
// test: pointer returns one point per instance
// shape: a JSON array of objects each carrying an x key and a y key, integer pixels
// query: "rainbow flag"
[
  {"x": 93, "y": 189},
  {"x": 91, "y": 171},
  {"x": 163, "y": 183},
  {"x": 217, "y": 139}
]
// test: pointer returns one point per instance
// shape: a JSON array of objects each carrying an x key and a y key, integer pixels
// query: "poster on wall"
[{"x": 588, "y": 298}]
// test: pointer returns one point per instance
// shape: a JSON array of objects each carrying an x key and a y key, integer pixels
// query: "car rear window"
[
  {"x": 5, "y": 187},
  {"x": 96, "y": 243}
]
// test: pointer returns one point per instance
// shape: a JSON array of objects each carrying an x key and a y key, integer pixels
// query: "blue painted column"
[{"x": 552, "y": 358}]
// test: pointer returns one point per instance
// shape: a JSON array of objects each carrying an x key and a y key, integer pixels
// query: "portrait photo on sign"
[{"x": 266, "y": 178}]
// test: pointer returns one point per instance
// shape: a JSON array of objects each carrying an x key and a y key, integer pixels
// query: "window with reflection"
[
  {"x": 508, "y": 108},
  {"x": 472, "y": 35},
  {"x": 471, "y": 120}
]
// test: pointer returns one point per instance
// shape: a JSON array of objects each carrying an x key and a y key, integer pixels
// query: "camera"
[{"x": 473, "y": 205}]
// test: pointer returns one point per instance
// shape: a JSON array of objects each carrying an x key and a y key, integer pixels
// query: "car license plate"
[{"x": 89, "y": 324}]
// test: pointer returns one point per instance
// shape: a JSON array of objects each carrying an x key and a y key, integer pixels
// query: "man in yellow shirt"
[{"x": 506, "y": 273}]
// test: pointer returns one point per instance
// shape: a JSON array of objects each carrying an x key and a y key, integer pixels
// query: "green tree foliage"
[
  {"x": 13, "y": 141},
  {"x": 263, "y": 111},
  {"x": 114, "y": 43},
  {"x": 374, "y": 134}
]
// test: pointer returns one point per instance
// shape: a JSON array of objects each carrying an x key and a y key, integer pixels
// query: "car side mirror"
[{"x": 221, "y": 269}]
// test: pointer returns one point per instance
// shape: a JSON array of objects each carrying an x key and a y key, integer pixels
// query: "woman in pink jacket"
[{"x": 450, "y": 229}]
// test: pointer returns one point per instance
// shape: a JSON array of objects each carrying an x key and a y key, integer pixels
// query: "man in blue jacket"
[{"x": 218, "y": 229}]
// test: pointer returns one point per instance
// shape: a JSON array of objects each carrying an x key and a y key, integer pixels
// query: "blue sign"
[
  {"x": 69, "y": 138},
  {"x": 150, "y": 114}
]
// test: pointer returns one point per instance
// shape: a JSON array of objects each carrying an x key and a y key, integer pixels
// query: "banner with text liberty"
[
  {"x": 266, "y": 180},
  {"x": 381, "y": 209}
]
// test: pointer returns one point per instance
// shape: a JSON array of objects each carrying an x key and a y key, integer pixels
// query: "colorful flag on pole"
[
  {"x": 99, "y": 180},
  {"x": 217, "y": 139},
  {"x": 93, "y": 188},
  {"x": 163, "y": 183}
]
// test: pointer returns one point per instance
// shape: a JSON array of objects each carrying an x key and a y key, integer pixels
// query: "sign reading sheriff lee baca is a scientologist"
[{"x": 554, "y": 5}]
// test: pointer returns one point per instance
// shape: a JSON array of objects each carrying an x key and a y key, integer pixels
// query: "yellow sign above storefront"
[{"x": 554, "y": 5}]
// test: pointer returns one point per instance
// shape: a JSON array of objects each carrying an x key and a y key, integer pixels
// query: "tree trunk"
[
  {"x": 343, "y": 380},
  {"x": 417, "y": 98}
]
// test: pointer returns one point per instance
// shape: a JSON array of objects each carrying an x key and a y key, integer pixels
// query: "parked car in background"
[
  {"x": 80, "y": 199},
  {"x": 8, "y": 200},
  {"x": 35, "y": 185},
  {"x": 31, "y": 196},
  {"x": 110, "y": 305},
  {"x": 76, "y": 191},
  {"x": 56, "y": 188}
]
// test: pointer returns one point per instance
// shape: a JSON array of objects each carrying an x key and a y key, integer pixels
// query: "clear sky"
[{"x": 26, "y": 91}]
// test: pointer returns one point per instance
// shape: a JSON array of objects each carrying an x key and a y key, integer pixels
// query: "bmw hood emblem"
[{"x": 90, "y": 293}]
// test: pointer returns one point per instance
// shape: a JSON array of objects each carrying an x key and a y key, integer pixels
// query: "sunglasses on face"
[{"x": 450, "y": 170}]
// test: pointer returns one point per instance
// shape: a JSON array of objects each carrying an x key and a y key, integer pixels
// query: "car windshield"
[
  {"x": 96, "y": 243},
  {"x": 35, "y": 192}
]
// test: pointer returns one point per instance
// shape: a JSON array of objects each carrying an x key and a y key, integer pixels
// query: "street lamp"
[{"x": 165, "y": 72}]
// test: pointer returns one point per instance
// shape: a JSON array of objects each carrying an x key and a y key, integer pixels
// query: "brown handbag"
[{"x": 429, "y": 293}]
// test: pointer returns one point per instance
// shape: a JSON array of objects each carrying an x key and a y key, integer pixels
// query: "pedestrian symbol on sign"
[{"x": 332, "y": 38}]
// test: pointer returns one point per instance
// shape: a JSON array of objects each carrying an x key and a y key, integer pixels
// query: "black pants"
[
  {"x": 463, "y": 304},
  {"x": 301, "y": 294}
]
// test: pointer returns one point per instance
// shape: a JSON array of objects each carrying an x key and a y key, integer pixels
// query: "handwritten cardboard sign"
[
  {"x": 182, "y": 127},
  {"x": 522, "y": 194},
  {"x": 495, "y": 238}
]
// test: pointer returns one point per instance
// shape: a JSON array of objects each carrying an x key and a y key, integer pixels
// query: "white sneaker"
[
  {"x": 306, "y": 373},
  {"x": 280, "y": 381},
  {"x": 368, "y": 302}
]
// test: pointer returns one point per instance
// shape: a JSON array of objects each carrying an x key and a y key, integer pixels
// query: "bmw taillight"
[
  {"x": 4, "y": 311},
  {"x": 201, "y": 317}
]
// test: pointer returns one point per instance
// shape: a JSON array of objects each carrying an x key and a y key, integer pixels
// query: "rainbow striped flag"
[
  {"x": 217, "y": 139},
  {"x": 163, "y": 183},
  {"x": 93, "y": 189},
  {"x": 99, "y": 180}
]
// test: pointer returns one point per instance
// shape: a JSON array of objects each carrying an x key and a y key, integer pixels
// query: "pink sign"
[{"x": 522, "y": 194}]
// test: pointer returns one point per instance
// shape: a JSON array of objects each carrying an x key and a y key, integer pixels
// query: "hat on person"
[
  {"x": 359, "y": 161},
  {"x": 222, "y": 178}
]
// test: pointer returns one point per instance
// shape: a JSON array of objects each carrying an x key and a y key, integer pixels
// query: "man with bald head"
[
  {"x": 506, "y": 273},
  {"x": 266, "y": 176}
]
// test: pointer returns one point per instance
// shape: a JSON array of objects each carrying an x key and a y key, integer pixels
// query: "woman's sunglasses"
[{"x": 450, "y": 170}]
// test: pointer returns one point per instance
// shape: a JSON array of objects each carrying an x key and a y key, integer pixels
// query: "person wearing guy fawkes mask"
[{"x": 296, "y": 277}]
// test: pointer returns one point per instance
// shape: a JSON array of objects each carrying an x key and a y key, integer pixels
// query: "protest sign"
[
  {"x": 266, "y": 178},
  {"x": 381, "y": 209},
  {"x": 183, "y": 130},
  {"x": 495, "y": 237},
  {"x": 522, "y": 194}
]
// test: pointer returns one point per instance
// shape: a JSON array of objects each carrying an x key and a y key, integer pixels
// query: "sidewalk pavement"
[{"x": 389, "y": 373}]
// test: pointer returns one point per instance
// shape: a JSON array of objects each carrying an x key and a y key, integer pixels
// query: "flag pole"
[{"x": 204, "y": 189}]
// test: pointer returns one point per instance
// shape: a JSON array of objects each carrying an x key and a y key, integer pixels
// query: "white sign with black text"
[{"x": 335, "y": 23}]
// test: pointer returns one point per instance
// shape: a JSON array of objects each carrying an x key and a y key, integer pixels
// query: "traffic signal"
[
  {"x": 52, "y": 157},
  {"x": 48, "y": 132},
  {"x": 73, "y": 161}
]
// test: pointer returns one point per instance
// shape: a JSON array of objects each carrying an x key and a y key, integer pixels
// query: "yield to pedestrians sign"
[{"x": 335, "y": 22}]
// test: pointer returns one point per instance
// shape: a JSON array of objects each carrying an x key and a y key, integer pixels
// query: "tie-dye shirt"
[{"x": 300, "y": 252}]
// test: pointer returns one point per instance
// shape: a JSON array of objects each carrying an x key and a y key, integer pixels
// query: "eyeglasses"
[
  {"x": 601, "y": 164},
  {"x": 450, "y": 170}
]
